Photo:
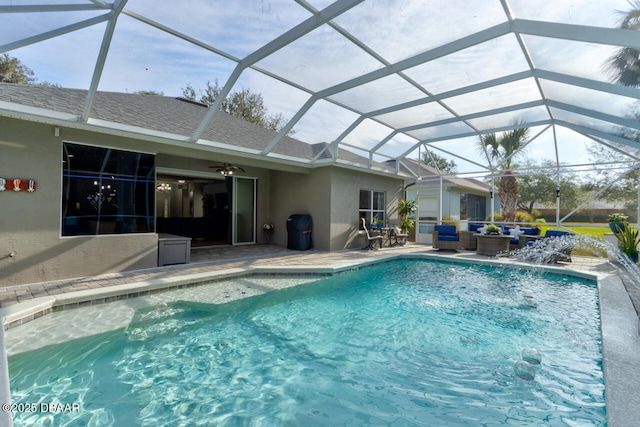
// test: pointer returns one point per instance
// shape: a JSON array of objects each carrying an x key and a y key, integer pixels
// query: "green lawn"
[{"x": 587, "y": 229}]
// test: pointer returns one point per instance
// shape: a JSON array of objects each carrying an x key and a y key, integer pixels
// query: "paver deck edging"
[{"x": 25, "y": 311}]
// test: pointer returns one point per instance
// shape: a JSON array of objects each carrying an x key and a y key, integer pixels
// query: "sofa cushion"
[
  {"x": 447, "y": 238},
  {"x": 533, "y": 231},
  {"x": 555, "y": 233},
  {"x": 445, "y": 230},
  {"x": 474, "y": 227}
]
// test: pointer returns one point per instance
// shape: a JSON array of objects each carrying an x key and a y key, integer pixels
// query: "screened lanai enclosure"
[{"x": 383, "y": 79}]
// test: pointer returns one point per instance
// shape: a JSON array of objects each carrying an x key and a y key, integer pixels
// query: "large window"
[
  {"x": 473, "y": 207},
  {"x": 106, "y": 191},
  {"x": 372, "y": 206}
]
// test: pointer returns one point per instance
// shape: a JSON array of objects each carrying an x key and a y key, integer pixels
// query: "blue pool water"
[{"x": 408, "y": 343}]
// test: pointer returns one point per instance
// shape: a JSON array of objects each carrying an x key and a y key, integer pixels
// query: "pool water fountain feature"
[
  {"x": 627, "y": 268},
  {"x": 548, "y": 250}
]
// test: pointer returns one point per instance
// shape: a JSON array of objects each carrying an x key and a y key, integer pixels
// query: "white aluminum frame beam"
[
  {"x": 274, "y": 45},
  {"x": 118, "y": 5}
]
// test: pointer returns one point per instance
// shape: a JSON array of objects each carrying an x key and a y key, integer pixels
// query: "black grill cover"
[{"x": 299, "y": 228}]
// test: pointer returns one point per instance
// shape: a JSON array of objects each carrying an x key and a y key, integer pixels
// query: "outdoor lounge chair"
[
  {"x": 446, "y": 237},
  {"x": 371, "y": 240},
  {"x": 398, "y": 234}
]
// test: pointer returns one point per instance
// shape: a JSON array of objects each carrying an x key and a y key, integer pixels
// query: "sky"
[{"x": 142, "y": 57}]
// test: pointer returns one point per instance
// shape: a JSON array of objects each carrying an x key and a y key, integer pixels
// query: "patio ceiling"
[{"x": 383, "y": 79}]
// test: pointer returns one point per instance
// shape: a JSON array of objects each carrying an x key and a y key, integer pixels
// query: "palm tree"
[
  {"x": 502, "y": 150},
  {"x": 625, "y": 62}
]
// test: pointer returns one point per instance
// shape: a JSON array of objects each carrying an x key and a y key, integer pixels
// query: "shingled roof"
[
  {"x": 424, "y": 174},
  {"x": 175, "y": 118}
]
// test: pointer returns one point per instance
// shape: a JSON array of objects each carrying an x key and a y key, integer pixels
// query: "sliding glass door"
[{"x": 244, "y": 210}]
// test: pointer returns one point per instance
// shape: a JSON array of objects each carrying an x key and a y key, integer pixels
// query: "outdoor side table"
[
  {"x": 468, "y": 240},
  {"x": 492, "y": 244}
]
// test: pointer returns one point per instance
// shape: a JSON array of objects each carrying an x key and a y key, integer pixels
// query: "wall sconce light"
[
  {"x": 558, "y": 192},
  {"x": 491, "y": 192}
]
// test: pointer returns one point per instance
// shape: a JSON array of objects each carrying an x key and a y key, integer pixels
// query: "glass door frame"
[{"x": 235, "y": 212}]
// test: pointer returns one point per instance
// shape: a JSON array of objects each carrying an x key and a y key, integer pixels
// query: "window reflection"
[{"x": 106, "y": 191}]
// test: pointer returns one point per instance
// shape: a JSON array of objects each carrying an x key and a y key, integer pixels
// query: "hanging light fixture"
[
  {"x": 228, "y": 169},
  {"x": 163, "y": 187}
]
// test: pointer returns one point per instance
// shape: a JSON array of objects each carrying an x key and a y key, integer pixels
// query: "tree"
[
  {"x": 12, "y": 70},
  {"x": 244, "y": 104},
  {"x": 539, "y": 187},
  {"x": 624, "y": 179},
  {"x": 432, "y": 159},
  {"x": 149, "y": 92},
  {"x": 502, "y": 151},
  {"x": 625, "y": 62}
]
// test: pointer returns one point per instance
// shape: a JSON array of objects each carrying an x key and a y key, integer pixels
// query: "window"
[
  {"x": 106, "y": 191},
  {"x": 472, "y": 207},
  {"x": 372, "y": 206}
]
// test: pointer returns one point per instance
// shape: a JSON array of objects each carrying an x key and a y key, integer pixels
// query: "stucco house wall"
[
  {"x": 346, "y": 185},
  {"x": 30, "y": 222},
  {"x": 32, "y": 248},
  {"x": 301, "y": 193},
  {"x": 331, "y": 196}
]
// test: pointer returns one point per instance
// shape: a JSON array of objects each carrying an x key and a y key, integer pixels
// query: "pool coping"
[
  {"x": 618, "y": 319},
  {"x": 20, "y": 313}
]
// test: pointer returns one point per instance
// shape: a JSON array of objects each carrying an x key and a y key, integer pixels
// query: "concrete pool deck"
[{"x": 619, "y": 321}]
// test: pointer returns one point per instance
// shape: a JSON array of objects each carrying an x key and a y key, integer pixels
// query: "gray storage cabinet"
[{"x": 173, "y": 249}]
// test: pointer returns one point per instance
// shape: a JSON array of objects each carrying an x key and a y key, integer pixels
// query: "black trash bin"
[{"x": 299, "y": 232}]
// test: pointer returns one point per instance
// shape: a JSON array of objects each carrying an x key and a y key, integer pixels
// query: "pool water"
[{"x": 408, "y": 343}]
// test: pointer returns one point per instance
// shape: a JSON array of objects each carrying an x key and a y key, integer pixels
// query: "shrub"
[
  {"x": 496, "y": 217},
  {"x": 522, "y": 216},
  {"x": 447, "y": 220}
]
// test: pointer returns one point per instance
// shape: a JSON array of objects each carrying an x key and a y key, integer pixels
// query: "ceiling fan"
[{"x": 227, "y": 169}]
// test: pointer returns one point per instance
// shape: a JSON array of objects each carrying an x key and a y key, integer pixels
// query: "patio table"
[{"x": 492, "y": 244}]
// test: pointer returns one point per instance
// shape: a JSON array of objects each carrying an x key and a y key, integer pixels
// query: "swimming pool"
[{"x": 401, "y": 343}]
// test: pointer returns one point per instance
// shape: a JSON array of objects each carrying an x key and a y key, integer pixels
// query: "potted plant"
[
  {"x": 617, "y": 221},
  {"x": 406, "y": 208},
  {"x": 493, "y": 229},
  {"x": 629, "y": 241},
  {"x": 407, "y": 225}
]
